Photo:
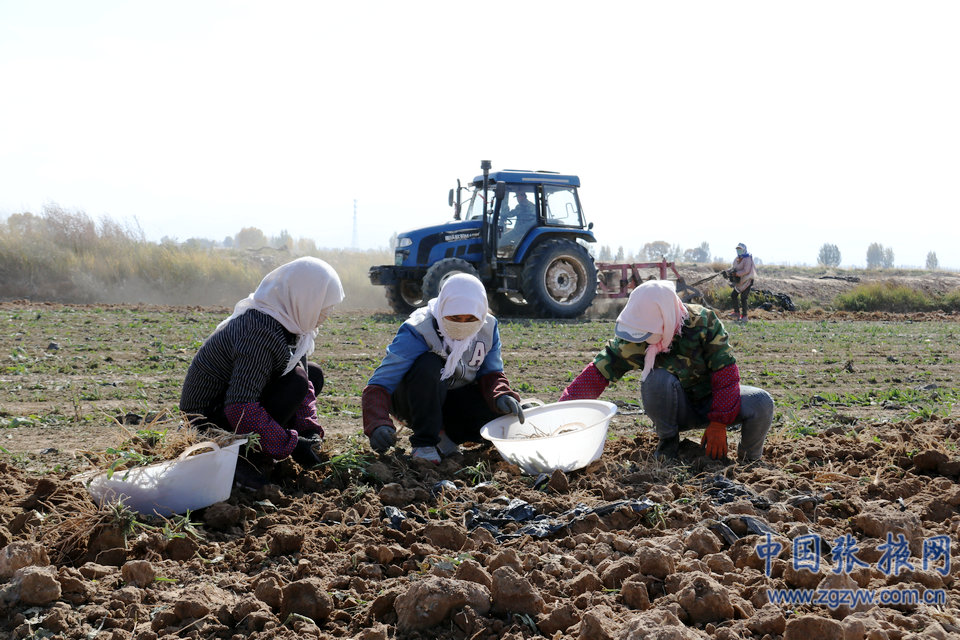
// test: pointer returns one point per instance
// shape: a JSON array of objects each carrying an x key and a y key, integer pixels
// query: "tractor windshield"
[
  {"x": 474, "y": 209},
  {"x": 562, "y": 206}
]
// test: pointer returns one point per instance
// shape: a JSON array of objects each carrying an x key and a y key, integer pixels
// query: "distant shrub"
[
  {"x": 884, "y": 296},
  {"x": 717, "y": 295},
  {"x": 951, "y": 301}
]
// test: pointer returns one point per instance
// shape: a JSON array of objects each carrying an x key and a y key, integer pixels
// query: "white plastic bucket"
[
  {"x": 563, "y": 435},
  {"x": 177, "y": 486}
]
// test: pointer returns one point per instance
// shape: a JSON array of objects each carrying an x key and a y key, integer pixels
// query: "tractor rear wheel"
[
  {"x": 559, "y": 279},
  {"x": 440, "y": 271},
  {"x": 404, "y": 296}
]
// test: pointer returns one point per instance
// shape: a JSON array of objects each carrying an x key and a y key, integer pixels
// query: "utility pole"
[{"x": 356, "y": 242}]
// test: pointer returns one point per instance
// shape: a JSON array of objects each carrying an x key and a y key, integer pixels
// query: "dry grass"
[{"x": 62, "y": 256}]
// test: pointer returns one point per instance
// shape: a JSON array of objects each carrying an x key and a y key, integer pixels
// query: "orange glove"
[{"x": 714, "y": 440}]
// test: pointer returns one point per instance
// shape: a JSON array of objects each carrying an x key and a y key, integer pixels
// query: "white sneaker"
[
  {"x": 446, "y": 446},
  {"x": 426, "y": 453}
]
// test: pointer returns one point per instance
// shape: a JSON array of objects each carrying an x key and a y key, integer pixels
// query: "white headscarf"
[
  {"x": 299, "y": 295},
  {"x": 652, "y": 309},
  {"x": 461, "y": 294}
]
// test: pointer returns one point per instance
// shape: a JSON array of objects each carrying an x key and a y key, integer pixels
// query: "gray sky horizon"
[{"x": 781, "y": 125}]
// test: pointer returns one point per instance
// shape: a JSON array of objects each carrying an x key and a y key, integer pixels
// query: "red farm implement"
[{"x": 617, "y": 280}]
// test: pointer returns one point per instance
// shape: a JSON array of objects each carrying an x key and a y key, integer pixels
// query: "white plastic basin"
[
  {"x": 177, "y": 486},
  {"x": 563, "y": 435}
]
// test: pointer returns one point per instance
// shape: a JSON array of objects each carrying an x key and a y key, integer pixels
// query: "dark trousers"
[
  {"x": 744, "y": 297},
  {"x": 425, "y": 403},
  {"x": 280, "y": 398}
]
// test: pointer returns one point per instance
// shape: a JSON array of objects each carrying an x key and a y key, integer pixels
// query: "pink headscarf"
[{"x": 652, "y": 309}]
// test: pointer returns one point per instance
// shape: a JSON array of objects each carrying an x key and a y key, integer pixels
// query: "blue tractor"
[{"x": 520, "y": 232}]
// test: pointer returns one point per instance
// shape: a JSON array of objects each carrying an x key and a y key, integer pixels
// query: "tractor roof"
[{"x": 512, "y": 176}]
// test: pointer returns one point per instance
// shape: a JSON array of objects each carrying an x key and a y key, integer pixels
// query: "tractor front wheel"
[
  {"x": 405, "y": 296},
  {"x": 559, "y": 279}
]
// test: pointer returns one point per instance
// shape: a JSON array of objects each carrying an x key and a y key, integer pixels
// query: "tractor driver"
[{"x": 524, "y": 216}]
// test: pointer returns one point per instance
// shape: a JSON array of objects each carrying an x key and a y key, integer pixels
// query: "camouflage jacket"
[{"x": 700, "y": 349}]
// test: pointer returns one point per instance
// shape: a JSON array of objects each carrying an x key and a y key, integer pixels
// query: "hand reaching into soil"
[
  {"x": 382, "y": 438},
  {"x": 715, "y": 440},
  {"x": 304, "y": 454}
]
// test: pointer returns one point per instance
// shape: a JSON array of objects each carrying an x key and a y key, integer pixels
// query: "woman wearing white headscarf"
[
  {"x": 742, "y": 274},
  {"x": 442, "y": 375},
  {"x": 689, "y": 377},
  {"x": 252, "y": 376}
]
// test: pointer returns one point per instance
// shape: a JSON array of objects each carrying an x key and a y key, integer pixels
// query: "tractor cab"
[{"x": 522, "y": 202}]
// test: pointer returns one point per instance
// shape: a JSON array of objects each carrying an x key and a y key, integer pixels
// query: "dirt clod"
[
  {"x": 36, "y": 585},
  {"x": 429, "y": 601},
  {"x": 704, "y": 599},
  {"x": 445, "y": 535},
  {"x": 17, "y": 555},
  {"x": 308, "y": 598},
  {"x": 808, "y": 626},
  {"x": 512, "y": 593},
  {"x": 138, "y": 572},
  {"x": 285, "y": 540},
  {"x": 223, "y": 515}
]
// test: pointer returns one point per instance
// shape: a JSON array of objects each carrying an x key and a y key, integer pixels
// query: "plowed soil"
[{"x": 864, "y": 445}]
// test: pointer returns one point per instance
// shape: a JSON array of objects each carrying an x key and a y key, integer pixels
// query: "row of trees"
[
  {"x": 250, "y": 238},
  {"x": 878, "y": 257},
  {"x": 653, "y": 251}
]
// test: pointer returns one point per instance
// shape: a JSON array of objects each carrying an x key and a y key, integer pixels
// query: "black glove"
[
  {"x": 382, "y": 438},
  {"x": 304, "y": 454},
  {"x": 509, "y": 404}
]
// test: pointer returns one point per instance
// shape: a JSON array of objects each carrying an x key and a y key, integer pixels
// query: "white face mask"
[{"x": 460, "y": 330}]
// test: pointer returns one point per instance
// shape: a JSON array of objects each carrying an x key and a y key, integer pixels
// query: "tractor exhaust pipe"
[{"x": 485, "y": 223}]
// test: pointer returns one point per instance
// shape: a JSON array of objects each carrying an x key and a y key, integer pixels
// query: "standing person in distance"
[
  {"x": 689, "y": 378},
  {"x": 251, "y": 375},
  {"x": 442, "y": 375},
  {"x": 742, "y": 274}
]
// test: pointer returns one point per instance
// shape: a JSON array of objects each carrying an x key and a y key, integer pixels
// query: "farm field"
[{"x": 864, "y": 444}]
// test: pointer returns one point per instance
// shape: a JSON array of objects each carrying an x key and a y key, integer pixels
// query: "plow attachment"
[{"x": 617, "y": 280}]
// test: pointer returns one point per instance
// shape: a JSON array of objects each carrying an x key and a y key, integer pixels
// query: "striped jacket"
[
  {"x": 229, "y": 373},
  {"x": 236, "y": 363}
]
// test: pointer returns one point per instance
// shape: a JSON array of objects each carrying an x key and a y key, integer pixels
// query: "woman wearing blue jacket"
[{"x": 442, "y": 375}]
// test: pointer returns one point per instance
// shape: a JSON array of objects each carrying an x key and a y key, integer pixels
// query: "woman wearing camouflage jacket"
[{"x": 689, "y": 378}]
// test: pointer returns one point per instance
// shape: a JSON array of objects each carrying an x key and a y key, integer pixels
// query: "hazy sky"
[{"x": 783, "y": 125}]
